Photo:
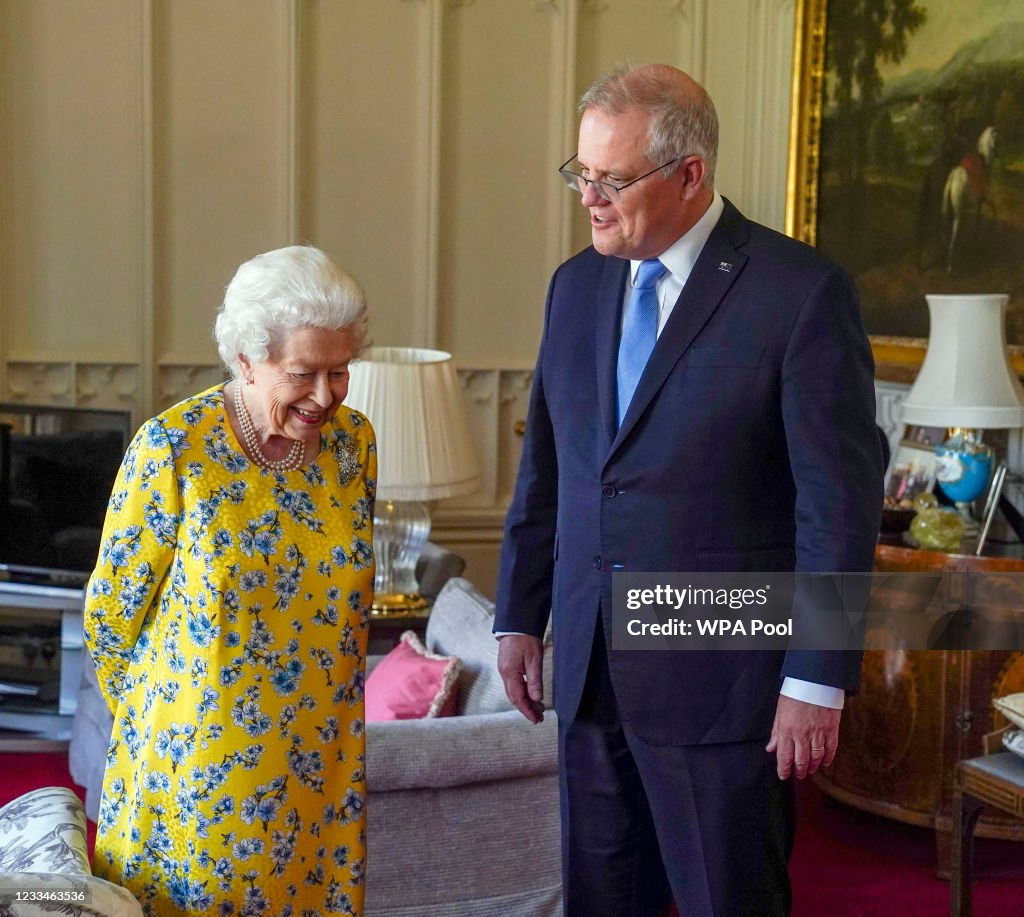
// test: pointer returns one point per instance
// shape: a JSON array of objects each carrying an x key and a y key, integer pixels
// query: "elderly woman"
[{"x": 227, "y": 617}]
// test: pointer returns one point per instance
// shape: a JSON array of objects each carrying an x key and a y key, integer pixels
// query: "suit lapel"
[
  {"x": 717, "y": 268},
  {"x": 608, "y": 318}
]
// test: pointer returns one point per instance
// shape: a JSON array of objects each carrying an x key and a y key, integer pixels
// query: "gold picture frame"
[{"x": 897, "y": 358}]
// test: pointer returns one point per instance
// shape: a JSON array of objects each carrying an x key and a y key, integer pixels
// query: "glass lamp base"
[{"x": 400, "y": 529}]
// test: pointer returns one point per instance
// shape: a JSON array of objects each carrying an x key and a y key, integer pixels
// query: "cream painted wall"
[{"x": 150, "y": 146}]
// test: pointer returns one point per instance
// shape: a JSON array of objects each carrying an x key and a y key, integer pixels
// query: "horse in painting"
[{"x": 965, "y": 192}]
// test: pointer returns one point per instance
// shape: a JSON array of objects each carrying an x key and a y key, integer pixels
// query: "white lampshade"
[
  {"x": 966, "y": 379},
  {"x": 412, "y": 398}
]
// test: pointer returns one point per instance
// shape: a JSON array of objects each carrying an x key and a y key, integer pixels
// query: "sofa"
[
  {"x": 462, "y": 811},
  {"x": 44, "y": 861}
]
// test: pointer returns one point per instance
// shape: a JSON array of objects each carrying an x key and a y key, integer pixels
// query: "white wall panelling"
[
  {"x": 150, "y": 146},
  {"x": 499, "y": 116},
  {"x": 222, "y": 155},
  {"x": 71, "y": 134},
  {"x": 369, "y": 153},
  {"x": 749, "y": 78}
]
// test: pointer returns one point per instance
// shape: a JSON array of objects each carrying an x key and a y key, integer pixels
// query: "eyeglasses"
[{"x": 605, "y": 189}]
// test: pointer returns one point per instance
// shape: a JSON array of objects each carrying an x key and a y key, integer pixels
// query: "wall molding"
[
  {"x": 429, "y": 146},
  {"x": 560, "y": 206},
  {"x": 69, "y": 383},
  {"x": 146, "y": 345},
  {"x": 291, "y": 107},
  {"x": 694, "y": 15}
]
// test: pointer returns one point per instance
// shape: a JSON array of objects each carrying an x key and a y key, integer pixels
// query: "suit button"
[
  {"x": 609, "y": 491},
  {"x": 597, "y": 561}
]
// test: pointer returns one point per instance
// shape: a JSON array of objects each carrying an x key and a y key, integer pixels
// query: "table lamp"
[
  {"x": 424, "y": 452},
  {"x": 966, "y": 385}
]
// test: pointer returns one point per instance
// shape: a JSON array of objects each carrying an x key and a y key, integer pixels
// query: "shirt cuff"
[{"x": 811, "y": 692}]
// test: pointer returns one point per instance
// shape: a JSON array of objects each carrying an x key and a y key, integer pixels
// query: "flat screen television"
[{"x": 57, "y": 466}]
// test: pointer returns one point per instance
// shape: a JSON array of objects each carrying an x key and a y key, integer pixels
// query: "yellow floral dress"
[{"x": 227, "y": 616}]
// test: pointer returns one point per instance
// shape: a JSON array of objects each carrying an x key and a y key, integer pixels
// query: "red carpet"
[
  {"x": 846, "y": 862},
  {"x": 21, "y": 772}
]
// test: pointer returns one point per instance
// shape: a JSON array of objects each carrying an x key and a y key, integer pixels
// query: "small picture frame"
[
  {"x": 911, "y": 472},
  {"x": 925, "y": 437}
]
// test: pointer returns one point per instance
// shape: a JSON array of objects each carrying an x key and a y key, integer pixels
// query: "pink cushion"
[{"x": 411, "y": 683}]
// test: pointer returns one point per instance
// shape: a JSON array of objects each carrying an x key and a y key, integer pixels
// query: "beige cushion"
[
  {"x": 462, "y": 624},
  {"x": 1012, "y": 707}
]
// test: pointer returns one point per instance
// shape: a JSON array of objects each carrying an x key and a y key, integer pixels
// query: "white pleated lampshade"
[
  {"x": 413, "y": 400},
  {"x": 966, "y": 379}
]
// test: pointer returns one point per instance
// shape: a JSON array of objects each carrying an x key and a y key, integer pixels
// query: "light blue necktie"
[{"x": 639, "y": 331}]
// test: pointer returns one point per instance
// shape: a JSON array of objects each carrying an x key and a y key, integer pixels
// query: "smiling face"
[
  {"x": 653, "y": 213},
  {"x": 301, "y": 385}
]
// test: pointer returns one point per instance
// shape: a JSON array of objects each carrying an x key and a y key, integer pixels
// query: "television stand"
[
  {"x": 42, "y": 576},
  {"x": 41, "y": 647}
]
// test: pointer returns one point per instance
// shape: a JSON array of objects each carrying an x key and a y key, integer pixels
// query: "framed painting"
[{"x": 906, "y": 157}]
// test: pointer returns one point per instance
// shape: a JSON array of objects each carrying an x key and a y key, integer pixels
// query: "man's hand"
[
  {"x": 520, "y": 661},
  {"x": 804, "y": 737}
]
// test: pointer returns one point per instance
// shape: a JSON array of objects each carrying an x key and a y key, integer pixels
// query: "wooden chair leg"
[
  {"x": 943, "y": 852},
  {"x": 966, "y": 810}
]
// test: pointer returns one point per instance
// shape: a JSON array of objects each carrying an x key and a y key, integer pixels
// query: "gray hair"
[
  {"x": 683, "y": 118},
  {"x": 278, "y": 292}
]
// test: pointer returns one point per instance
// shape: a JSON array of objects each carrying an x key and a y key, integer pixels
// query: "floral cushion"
[
  {"x": 44, "y": 831},
  {"x": 44, "y": 861}
]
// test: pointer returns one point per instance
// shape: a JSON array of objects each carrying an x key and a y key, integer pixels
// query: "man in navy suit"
[{"x": 745, "y": 441}]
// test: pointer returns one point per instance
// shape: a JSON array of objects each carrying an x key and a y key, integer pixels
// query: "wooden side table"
[
  {"x": 386, "y": 630},
  {"x": 993, "y": 780},
  {"x": 919, "y": 713}
]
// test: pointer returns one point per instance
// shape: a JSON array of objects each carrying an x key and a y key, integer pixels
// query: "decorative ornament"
[{"x": 347, "y": 454}]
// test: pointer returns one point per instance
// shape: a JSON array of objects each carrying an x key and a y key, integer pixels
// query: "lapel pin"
[{"x": 725, "y": 266}]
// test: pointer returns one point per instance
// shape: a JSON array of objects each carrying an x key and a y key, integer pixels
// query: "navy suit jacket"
[{"x": 749, "y": 445}]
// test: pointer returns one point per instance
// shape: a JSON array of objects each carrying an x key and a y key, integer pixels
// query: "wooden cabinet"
[{"x": 920, "y": 712}]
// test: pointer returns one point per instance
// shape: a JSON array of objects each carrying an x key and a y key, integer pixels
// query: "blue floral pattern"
[{"x": 227, "y": 616}]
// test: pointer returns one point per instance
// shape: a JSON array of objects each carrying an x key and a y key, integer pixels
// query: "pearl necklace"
[{"x": 289, "y": 463}]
